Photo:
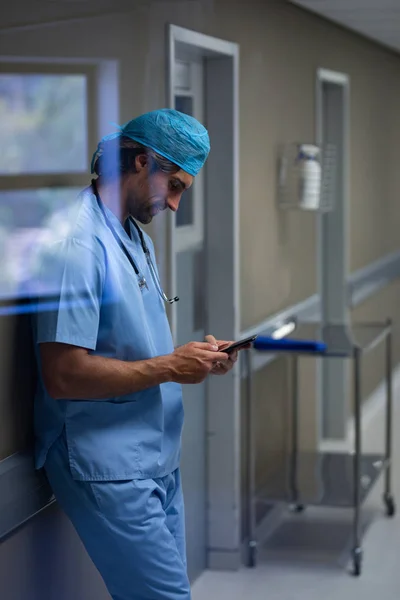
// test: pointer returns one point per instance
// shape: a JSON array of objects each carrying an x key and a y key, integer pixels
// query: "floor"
[{"x": 318, "y": 570}]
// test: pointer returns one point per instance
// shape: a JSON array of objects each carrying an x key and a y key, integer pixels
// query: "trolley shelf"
[{"x": 323, "y": 479}]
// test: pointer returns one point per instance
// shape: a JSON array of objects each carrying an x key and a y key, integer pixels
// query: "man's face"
[{"x": 147, "y": 192}]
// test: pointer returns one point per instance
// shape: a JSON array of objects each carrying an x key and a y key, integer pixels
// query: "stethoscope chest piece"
[{"x": 142, "y": 284}]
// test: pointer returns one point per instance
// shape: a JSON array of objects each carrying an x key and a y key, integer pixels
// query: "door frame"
[
  {"x": 334, "y": 425},
  {"x": 222, "y": 248}
]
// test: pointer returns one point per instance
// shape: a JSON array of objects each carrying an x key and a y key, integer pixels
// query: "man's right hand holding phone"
[{"x": 192, "y": 362}]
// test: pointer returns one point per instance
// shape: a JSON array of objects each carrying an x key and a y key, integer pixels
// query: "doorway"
[
  {"x": 333, "y": 248},
  {"x": 203, "y": 268}
]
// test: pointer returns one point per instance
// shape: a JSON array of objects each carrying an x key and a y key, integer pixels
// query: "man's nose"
[{"x": 173, "y": 203}]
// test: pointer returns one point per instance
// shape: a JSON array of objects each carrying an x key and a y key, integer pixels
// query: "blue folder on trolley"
[{"x": 288, "y": 345}]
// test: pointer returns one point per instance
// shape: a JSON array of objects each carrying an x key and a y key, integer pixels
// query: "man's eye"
[{"x": 175, "y": 186}]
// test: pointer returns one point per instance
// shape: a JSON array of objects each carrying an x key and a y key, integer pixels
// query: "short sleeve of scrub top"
[{"x": 74, "y": 272}]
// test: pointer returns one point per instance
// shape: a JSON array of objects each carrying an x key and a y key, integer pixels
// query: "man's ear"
[{"x": 141, "y": 162}]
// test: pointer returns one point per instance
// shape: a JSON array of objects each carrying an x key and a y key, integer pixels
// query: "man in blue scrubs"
[{"x": 108, "y": 412}]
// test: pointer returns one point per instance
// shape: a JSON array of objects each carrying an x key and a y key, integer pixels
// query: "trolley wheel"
[
  {"x": 357, "y": 562},
  {"x": 390, "y": 506},
  {"x": 252, "y": 555}
]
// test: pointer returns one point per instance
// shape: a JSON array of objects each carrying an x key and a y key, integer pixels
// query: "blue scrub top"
[{"x": 99, "y": 306}]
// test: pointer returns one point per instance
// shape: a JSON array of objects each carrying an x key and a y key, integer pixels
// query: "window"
[
  {"x": 47, "y": 129},
  {"x": 43, "y": 123},
  {"x": 189, "y": 99},
  {"x": 185, "y": 214}
]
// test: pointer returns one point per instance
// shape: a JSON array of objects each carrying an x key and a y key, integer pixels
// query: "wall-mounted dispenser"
[{"x": 306, "y": 177}]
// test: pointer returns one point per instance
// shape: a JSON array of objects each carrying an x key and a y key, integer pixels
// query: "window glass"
[
  {"x": 43, "y": 123},
  {"x": 185, "y": 213},
  {"x": 28, "y": 219}
]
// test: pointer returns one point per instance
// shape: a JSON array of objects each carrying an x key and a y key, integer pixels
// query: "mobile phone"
[{"x": 238, "y": 345}]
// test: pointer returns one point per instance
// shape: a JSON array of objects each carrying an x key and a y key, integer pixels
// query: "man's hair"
[{"x": 118, "y": 158}]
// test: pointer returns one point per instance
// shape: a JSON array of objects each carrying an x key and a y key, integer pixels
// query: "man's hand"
[
  {"x": 222, "y": 367},
  {"x": 192, "y": 362}
]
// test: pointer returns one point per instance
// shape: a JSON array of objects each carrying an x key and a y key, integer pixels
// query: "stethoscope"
[{"x": 141, "y": 279}]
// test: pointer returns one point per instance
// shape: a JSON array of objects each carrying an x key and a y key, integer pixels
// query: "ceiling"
[{"x": 376, "y": 19}]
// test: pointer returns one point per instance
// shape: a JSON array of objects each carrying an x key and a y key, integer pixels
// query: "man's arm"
[{"x": 70, "y": 372}]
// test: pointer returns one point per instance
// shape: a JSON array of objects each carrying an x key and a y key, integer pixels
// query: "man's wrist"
[{"x": 164, "y": 368}]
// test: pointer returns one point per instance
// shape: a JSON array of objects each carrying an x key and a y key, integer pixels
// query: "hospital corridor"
[{"x": 199, "y": 300}]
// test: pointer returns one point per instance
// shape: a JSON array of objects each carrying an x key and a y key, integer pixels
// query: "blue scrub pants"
[{"x": 132, "y": 530}]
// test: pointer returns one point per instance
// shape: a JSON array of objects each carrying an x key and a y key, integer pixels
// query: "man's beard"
[
  {"x": 144, "y": 219},
  {"x": 140, "y": 213},
  {"x": 145, "y": 214}
]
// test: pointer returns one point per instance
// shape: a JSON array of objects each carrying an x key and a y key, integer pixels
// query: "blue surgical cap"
[{"x": 174, "y": 135}]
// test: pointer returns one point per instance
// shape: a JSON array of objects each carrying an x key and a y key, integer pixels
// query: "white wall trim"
[
  {"x": 333, "y": 77},
  {"x": 201, "y": 40},
  {"x": 369, "y": 280}
]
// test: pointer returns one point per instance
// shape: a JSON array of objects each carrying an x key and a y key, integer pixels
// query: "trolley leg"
[
  {"x": 388, "y": 497},
  {"x": 250, "y": 441},
  {"x": 296, "y": 505},
  {"x": 357, "y": 550}
]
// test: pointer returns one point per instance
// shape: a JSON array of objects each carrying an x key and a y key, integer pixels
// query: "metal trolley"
[{"x": 339, "y": 479}]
